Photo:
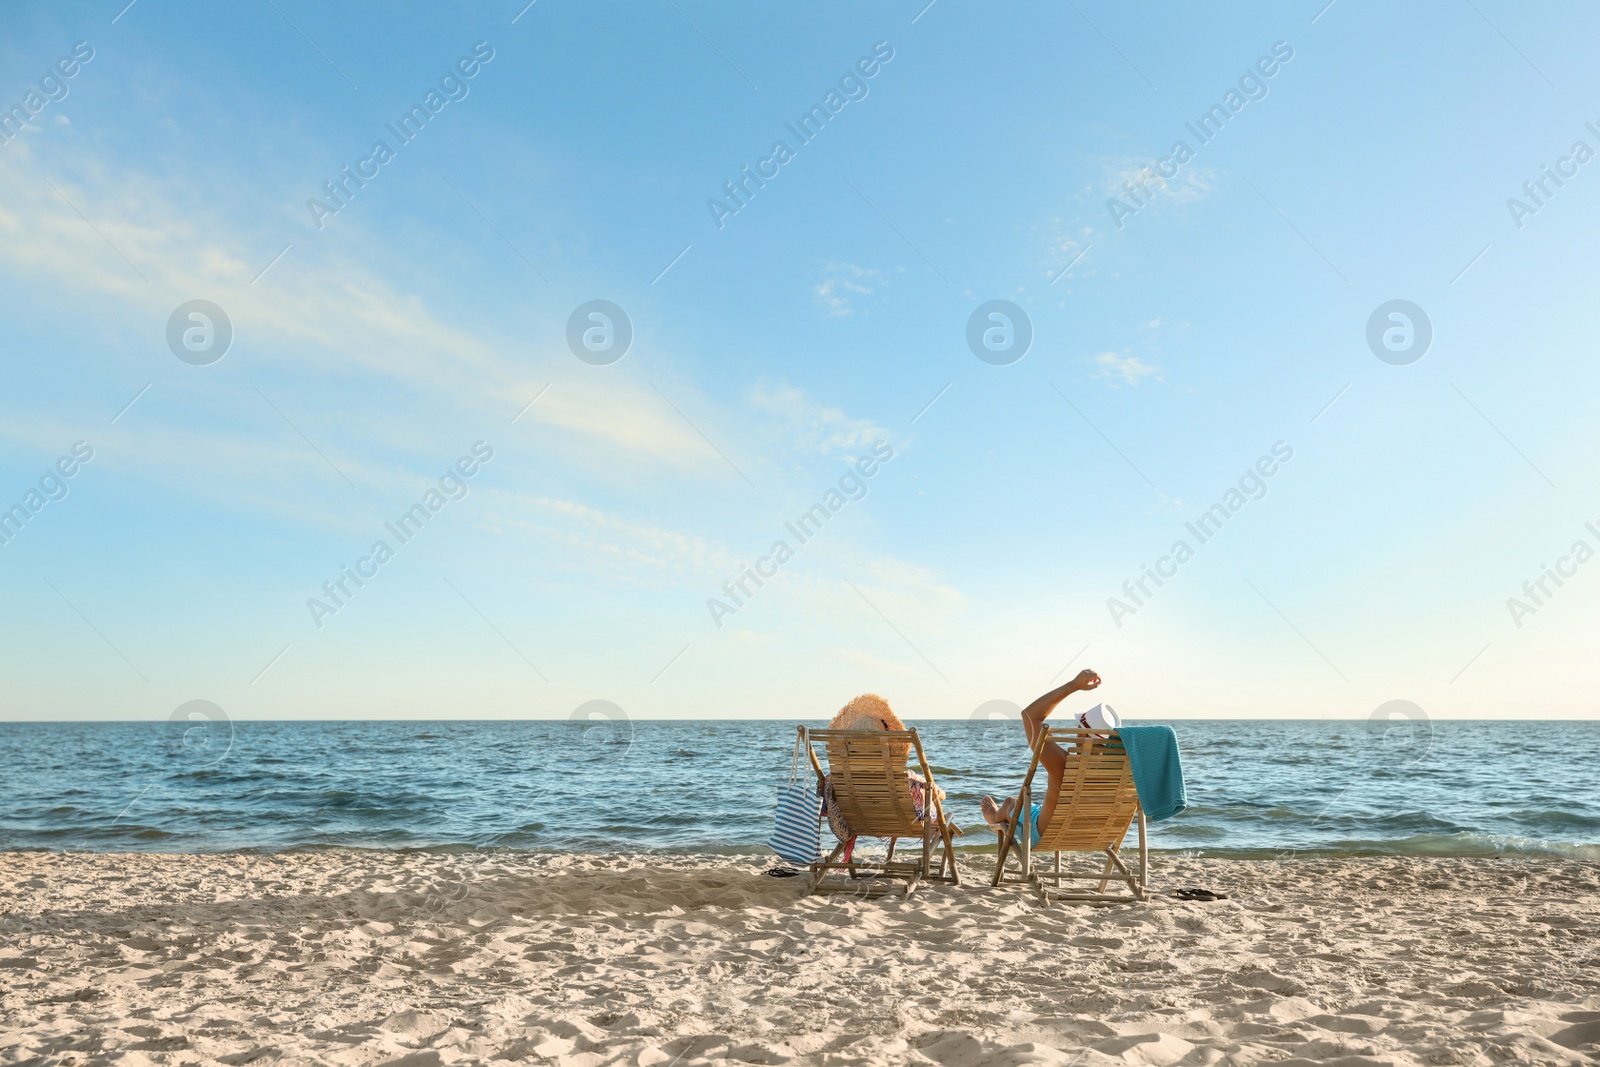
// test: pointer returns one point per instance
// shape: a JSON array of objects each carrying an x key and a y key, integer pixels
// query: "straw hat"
[{"x": 869, "y": 711}]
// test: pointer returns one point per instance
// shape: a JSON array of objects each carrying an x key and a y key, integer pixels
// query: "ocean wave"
[
  {"x": 1461, "y": 846},
  {"x": 1556, "y": 819},
  {"x": 1257, "y": 789}
]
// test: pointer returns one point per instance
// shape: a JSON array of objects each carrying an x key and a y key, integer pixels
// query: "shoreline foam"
[{"x": 1464, "y": 845}]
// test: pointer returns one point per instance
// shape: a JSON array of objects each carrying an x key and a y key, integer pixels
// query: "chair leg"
[
  {"x": 1007, "y": 837},
  {"x": 1127, "y": 876},
  {"x": 950, "y": 855},
  {"x": 1111, "y": 859},
  {"x": 819, "y": 871},
  {"x": 1024, "y": 816},
  {"x": 1144, "y": 858}
]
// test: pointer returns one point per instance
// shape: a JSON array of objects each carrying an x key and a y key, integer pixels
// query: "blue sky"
[{"x": 1227, "y": 314}]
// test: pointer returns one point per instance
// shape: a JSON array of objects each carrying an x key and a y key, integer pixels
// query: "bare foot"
[
  {"x": 997, "y": 815},
  {"x": 991, "y": 810}
]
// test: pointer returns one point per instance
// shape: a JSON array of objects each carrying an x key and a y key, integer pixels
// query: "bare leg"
[{"x": 998, "y": 814}]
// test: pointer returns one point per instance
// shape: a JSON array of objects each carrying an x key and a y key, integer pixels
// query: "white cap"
[{"x": 1099, "y": 717}]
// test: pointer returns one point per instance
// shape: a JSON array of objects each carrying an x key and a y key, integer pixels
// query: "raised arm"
[
  {"x": 1034, "y": 715},
  {"x": 1052, "y": 756}
]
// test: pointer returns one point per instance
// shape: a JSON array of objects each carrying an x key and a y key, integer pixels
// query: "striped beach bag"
[{"x": 797, "y": 831}]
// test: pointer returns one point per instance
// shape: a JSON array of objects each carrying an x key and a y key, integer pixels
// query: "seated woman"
[
  {"x": 1053, "y": 757},
  {"x": 866, "y": 712}
]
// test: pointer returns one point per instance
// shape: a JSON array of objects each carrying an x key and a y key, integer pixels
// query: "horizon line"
[{"x": 820, "y": 718}]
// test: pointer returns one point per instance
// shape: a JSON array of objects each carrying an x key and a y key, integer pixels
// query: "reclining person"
[{"x": 1053, "y": 757}]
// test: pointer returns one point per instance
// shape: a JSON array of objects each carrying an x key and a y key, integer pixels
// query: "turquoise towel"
[{"x": 1157, "y": 770}]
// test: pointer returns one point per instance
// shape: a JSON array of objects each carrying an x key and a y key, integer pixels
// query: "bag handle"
[{"x": 794, "y": 763}]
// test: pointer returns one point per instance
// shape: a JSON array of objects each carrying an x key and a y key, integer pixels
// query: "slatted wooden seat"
[
  {"x": 1096, "y": 805},
  {"x": 873, "y": 795}
]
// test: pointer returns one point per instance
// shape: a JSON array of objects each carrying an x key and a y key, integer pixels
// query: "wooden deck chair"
[
  {"x": 868, "y": 769},
  {"x": 1096, "y": 805}
]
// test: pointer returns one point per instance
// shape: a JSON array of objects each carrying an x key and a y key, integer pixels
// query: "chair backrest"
[
  {"x": 868, "y": 773},
  {"x": 1097, "y": 801}
]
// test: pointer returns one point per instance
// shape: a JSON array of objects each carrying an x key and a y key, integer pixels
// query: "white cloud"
[
  {"x": 287, "y": 479},
  {"x": 1167, "y": 505},
  {"x": 1063, "y": 242},
  {"x": 599, "y": 541},
  {"x": 1129, "y": 369},
  {"x": 319, "y": 314},
  {"x": 842, "y": 281},
  {"x": 912, "y": 595},
  {"x": 645, "y": 554},
  {"x": 1188, "y": 186},
  {"x": 811, "y": 426}
]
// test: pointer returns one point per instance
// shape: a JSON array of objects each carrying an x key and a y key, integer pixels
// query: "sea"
[{"x": 1266, "y": 789}]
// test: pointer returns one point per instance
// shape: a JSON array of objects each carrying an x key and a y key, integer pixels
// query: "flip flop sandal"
[
  {"x": 1199, "y": 894},
  {"x": 782, "y": 872}
]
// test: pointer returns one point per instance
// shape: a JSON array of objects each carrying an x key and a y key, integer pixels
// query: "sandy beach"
[{"x": 373, "y": 958}]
